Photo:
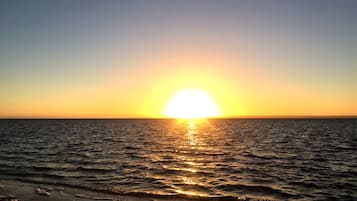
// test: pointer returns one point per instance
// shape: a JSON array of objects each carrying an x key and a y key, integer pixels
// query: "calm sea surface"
[{"x": 272, "y": 159}]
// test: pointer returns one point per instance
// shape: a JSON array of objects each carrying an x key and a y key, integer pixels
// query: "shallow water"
[{"x": 272, "y": 159}]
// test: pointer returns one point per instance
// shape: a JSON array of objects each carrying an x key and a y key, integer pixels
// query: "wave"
[
  {"x": 110, "y": 190},
  {"x": 265, "y": 190},
  {"x": 32, "y": 174},
  {"x": 92, "y": 169},
  {"x": 263, "y": 157},
  {"x": 54, "y": 179}
]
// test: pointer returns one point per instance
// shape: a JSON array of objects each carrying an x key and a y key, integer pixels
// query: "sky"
[{"x": 69, "y": 59}]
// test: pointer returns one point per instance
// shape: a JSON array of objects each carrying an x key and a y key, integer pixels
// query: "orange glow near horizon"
[{"x": 145, "y": 93}]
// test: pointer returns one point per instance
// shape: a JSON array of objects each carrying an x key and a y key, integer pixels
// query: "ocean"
[{"x": 274, "y": 159}]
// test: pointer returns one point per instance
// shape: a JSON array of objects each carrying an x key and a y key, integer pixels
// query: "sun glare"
[{"x": 191, "y": 104}]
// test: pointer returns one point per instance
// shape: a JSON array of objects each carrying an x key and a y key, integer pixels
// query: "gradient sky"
[{"x": 127, "y": 58}]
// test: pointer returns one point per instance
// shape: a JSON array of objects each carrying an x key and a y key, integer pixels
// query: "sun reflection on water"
[
  {"x": 189, "y": 162},
  {"x": 192, "y": 133}
]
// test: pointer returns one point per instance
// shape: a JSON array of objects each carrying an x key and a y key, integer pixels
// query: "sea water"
[{"x": 277, "y": 159}]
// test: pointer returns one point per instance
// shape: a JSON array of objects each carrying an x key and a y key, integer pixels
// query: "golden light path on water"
[
  {"x": 199, "y": 156},
  {"x": 188, "y": 156},
  {"x": 191, "y": 142}
]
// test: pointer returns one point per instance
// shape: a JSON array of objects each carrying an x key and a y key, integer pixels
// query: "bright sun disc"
[{"x": 191, "y": 104}]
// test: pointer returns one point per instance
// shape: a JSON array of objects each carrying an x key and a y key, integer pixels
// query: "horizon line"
[{"x": 171, "y": 118}]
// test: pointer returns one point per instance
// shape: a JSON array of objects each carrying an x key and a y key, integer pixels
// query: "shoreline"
[
  {"x": 13, "y": 190},
  {"x": 16, "y": 190}
]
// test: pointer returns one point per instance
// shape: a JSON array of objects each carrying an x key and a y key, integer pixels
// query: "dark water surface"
[{"x": 273, "y": 159}]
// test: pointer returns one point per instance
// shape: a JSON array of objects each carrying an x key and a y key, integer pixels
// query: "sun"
[{"x": 191, "y": 104}]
